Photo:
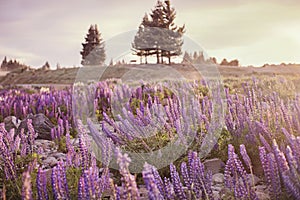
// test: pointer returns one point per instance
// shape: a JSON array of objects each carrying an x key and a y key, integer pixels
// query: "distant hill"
[
  {"x": 68, "y": 75},
  {"x": 12, "y": 65}
]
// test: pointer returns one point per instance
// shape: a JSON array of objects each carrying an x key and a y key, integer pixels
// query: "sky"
[{"x": 253, "y": 31}]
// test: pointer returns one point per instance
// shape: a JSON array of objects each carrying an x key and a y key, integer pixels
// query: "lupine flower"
[
  {"x": 280, "y": 158},
  {"x": 265, "y": 164},
  {"x": 292, "y": 186},
  {"x": 185, "y": 174},
  {"x": 128, "y": 179},
  {"x": 26, "y": 188},
  {"x": 169, "y": 189},
  {"x": 275, "y": 178},
  {"x": 178, "y": 188},
  {"x": 149, "y": 180},
  {"x": 245, "y": 155},
  {"x": 236, "y": 177},
  {"x": 83, "y": 152},
  {"x": 41, "y": 183}
]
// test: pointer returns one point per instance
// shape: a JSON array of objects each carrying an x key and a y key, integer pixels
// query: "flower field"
[{"x": 93, "y": 143}]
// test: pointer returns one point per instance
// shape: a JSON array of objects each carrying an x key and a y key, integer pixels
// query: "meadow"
[{"x": 257, "y": 124}]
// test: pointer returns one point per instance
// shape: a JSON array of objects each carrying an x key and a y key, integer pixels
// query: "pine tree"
[
  {"x": 4, "y": 63},
  {"x": 158, "y": 35},
  {"x": 93, "y": 52},
  {"x": 186, "y": 58},
  {"x": 46, "y": 66}
]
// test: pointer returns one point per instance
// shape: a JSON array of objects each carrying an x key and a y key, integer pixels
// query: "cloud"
[
  {"x": 54, "y": 30},
  {"x": 23, "y": 56}
]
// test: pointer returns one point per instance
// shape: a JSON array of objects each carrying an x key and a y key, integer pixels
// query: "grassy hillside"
[{"x": 68, "y": 75}]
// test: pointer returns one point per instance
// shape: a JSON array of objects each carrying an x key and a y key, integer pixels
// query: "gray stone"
[
  {"x": 253, "y": 178},
  {"x": 261, "y": 188},
  {"x": 216, "y": 188},
  {"x": 50, "y": 161},
  {"x": 214, "y": 165},
  {"x": 59, "y": 156},
  {"x": 11, "y": 122},
  {"x": 263, "y": 195},
  {"x": 42, "y": 125},
  {"x": 218, "y": 178},
  {"x": 216, "y": 194}
]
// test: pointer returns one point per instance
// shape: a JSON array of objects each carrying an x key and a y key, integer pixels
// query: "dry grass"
[{"x": 68, "y": 75}]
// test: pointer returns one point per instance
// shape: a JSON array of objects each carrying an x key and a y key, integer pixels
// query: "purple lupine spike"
[
  {"x": 41, "y": 184},
  {"x": 32, "y": 135},
  {"x": 169, "y": 189},
  {"x": 178, "y": 188},
  {"x": 275, "y": 179},
  {"x": 81, "y": 190},
  {"x": 86, "y": 184},
  {"x": 236, "y": 176},
  {"x": 227, "y": 174},
  {"x": 117, "y": 193},
  {"x": 294, "y": 191},
  {"x": 185, "y": 175},
  {"x": 293, "y": 167},
  {"x": 280, "y": 157},
  {"x": 158, "y": 180},
  {"x": 63, "y": 179},
  {"x": 265, "y": 164},
  {"x": 26, "y": 187},
  {"x": 149, "y": 180},
  {"x": 111, "y": 135},
  {"x": 290, "y": 157},
  {"x": 245, "y": 155},
  {"x": 17, "y": 143},
  {"x": 242, "y": 174},
  {"x": 84, "y": 153},
  {"x": 265, "y": 143},
  {"x": 128, "y": 179},
  {"x": 286, "y": 117},
  {"x": 194, "y": 169},
  {"x": 7, "y": 159}
]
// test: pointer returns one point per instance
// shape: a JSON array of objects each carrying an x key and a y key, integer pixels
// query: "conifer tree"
[
  {"x": 93, "y": 52},
  {"x": 158, "y": 35}
]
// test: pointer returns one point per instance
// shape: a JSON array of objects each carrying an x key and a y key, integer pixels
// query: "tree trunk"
[{"x": 157, "y": 56}]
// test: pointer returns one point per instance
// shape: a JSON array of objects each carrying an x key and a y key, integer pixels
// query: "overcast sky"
[{"x": 253, "y": 31}]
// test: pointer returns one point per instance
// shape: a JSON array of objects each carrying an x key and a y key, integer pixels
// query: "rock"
[
  {"x": 216, "y": 194},
  {"x": 75, "y": 142},
  {"x": 11, "y": 122},
  {"x": 262, "y": 195},
  {"x": 42, "y": 125},
  {"x": 216, "y": 188},
  {"x": 250, "y": 180},
  {"x": 255, "y": 179},
  {"x": 214, "y": 165},
  {"x": 218, "y": 178},
  {"x": 50, "y": 161},
  {"x": 261, "y": 188},
  {"x": 143, "y": 192},
  {"x": 44, "y": 143},
  {"x": 59, "y": 156}
]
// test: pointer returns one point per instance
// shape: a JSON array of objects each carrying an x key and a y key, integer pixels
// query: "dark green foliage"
[
  {"x": 12, "y": 65},
  {"x": 93, "y": 52},
  {"x": 158, "y": 35},
  {"x": 61, "y": 143}
]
